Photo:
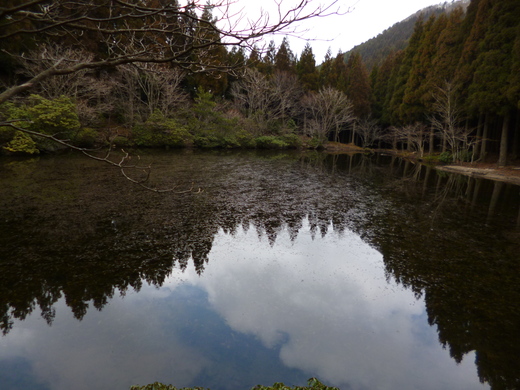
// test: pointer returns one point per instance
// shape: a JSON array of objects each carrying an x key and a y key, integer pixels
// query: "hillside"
[{"x": 396, "y": 37}]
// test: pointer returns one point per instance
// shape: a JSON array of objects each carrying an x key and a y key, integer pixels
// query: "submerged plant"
[{"x": 312, "y": 383}]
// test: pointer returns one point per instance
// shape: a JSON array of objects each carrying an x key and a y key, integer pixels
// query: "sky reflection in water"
[{"x": 259, "y": 314}]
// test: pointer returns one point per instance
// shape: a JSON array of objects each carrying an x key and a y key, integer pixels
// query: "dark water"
[{"x": 367, "y": 272}]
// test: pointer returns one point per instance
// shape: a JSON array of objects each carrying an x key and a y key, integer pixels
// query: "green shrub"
[
  {"x": 121, "y": 141},
  {"x": 161, "y": 386},
  {"x": 55, "y": 117},
  {"x": 292, "y": 140},
  {"x": 87, "y": 138},
  {"x": 245, "y": 139},
  {"x": 206, "y": 142},
  {"x": 159, "y": 131},
  {"x": 431, "y": 159},
  {"x": 464, "y": 155},
  {"x": 21, "y": 143},
  {"x": 271, "y": 142},
  {"x": 446, "y": 157}
]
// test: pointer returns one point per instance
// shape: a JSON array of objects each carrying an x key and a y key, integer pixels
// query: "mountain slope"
[{"x": 396, "y": 37}]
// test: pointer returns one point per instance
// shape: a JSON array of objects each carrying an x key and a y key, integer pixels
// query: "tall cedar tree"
[
  {"x": 254, "y": 59},
  {"x": 404, "y": 72},
  {"x": 381, "y": 80},
  {"x": 475, "y": 26},
  {"x": 284, "y": 60},
  {"x": 215, "y": 82},
  {"x": 412, "y": 108},
  {"x": 389, "y": 78},
  {"x": 306, "y": 69},
  {"x": 449, "y": 47},
  {"x": 338, "y": 73},
  {"x": 266, "y": 66},
  {"x": 490, "y": 86},
  {"x": 358, "y": 87},
  {"x": 326, "y": 69}
]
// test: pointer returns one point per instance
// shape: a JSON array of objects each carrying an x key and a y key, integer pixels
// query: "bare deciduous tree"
[
  {"x": 287, "y": 94},
  {"x": 414, "y": 136},
  {"x": 267, "y": 99},
  {"x": 252, "y": 95},
  {"x": 91, "y": 92},
  {"x": 138, "y": 32},
  {"x": 369, "y": 131},
  {"x": 144, "y": 31},
  {"x": 145, "y": 88},
  {"x": 447, "y": 119},
  {"x": 327, "y": 111}
]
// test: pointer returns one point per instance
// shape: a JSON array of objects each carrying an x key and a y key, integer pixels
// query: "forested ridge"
[
  {"x": 453, "y": 93},
  {"x": 396, "y": 37}
]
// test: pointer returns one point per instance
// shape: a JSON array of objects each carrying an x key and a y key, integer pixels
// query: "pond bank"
[{"x": 508, "y": 174}]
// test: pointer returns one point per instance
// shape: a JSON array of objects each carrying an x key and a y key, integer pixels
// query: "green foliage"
[
  {"x": 159, "y": 131},
  {"x": 22, "y": 143},
  {"x": 315, "y": 143},
  {"x": 212, "y": 128},
  {"x": 240, "y": 139},
  {"x": 160, "y": 386},
  {"x": 446, "y": 157},
  {"x": 431, "y": 159},
  {"x": 278, "y": 142},
  {"x": 312, "y": 384},
  {"x": 212, "y": 142},
  {"x": 87, "y": 138},
  {"x": 55, "y": 117},
  {"x": 463, "y": 156},
  {"x": 306, "y": 69}
]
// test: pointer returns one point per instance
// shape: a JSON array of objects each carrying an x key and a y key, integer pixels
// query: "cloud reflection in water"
[
  {"x": 316, "y": 307},
  {"x": 327, "y": 305}
]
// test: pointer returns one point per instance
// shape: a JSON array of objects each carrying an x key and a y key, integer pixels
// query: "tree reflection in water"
[{"x": 70, "y": 229}]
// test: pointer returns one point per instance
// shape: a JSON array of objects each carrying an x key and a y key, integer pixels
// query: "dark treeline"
[
  {"x": 455, "y": 87},
  {"x": 452, "y": 94}
]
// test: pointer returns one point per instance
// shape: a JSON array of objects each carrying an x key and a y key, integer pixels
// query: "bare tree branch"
[{"x": 139, "y": 32}]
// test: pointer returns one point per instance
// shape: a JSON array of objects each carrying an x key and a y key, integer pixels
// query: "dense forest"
[
  {"x": 453, "y": 93},
  {"x": 396, "y": 37}
]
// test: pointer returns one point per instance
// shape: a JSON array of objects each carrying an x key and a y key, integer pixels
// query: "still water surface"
[{"x": 368, "y": 273}]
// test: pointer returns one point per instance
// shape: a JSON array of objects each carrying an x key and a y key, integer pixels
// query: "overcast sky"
[{"x": 365, "y": 20}]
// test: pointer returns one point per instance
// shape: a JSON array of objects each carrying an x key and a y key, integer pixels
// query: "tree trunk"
[
  {"x": 432, "y": 140},
  {"x": 502, "y": 159},
  {"x": 484, "y": 137},
  {"x": 476, "y": 150},
  {"x": 516, "y": 137}
]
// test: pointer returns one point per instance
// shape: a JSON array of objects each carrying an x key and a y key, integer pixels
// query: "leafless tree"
[
  {"x": 252, "y": 95},
  {"x": 90, "y": 92},
  {"x": 138, "y": 32},
  {"x": 447, "y": 117},
  {"x": 327, "y": 111},
  {"x": 287, "y": 94},
  {"x": 369, "y": 131},
  {"x": 147, "y": 87},
  {"x": 414, "y": 136},
  {"x": 144, "y": 31},
  {"x": 267, "y": 99}
]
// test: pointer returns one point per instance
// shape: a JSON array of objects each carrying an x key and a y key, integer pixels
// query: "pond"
[{"x": 367, "y": 272}]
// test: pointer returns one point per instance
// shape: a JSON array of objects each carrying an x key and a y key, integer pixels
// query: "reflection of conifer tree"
[{"x": 468, "y": 285}]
